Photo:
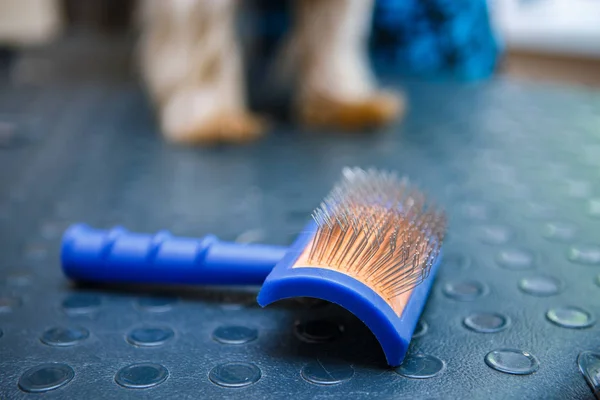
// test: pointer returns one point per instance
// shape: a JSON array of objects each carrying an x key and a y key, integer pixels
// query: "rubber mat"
[{"x": 512, "y": 314}]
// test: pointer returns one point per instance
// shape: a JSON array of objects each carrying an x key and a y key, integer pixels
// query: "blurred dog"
[
  {"x": 192, "y": 66},
  {"x": 190, "y": 59}
]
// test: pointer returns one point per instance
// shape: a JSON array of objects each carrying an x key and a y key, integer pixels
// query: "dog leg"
[
  {"x": 30, "y": 22},
  {"x": 336, "y": 85},
  {"x": 191, "y": 63}
]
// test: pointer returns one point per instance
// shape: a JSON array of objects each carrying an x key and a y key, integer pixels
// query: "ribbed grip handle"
[{"x": 117, "y": 255}]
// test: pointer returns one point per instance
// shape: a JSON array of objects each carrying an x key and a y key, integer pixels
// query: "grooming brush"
[{"x": 373, "y": 247}]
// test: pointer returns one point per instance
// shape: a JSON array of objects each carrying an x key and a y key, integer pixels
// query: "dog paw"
[
  {"x": 234, "y": 128},
  {"x": 184, "y": 123},
  {"x": 375, "y": 111}
]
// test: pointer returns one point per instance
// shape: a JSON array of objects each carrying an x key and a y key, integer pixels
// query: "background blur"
[
  {"x": 516, "y": 163},
  {"x": 555, "y": 40}
]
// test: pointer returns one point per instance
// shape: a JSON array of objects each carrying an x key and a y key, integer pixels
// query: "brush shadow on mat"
[{"x": 329, "y": 333}]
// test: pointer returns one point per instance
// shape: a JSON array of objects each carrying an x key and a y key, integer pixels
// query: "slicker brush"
[
  {"x": 373, "y": 246},
  {"x": 376, "y": 229}
]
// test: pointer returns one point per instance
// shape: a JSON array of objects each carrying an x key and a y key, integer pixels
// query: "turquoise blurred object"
[{"x": 449, "y": 39}]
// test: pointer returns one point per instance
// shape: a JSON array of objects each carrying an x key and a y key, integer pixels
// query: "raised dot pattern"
[
  {"x": 589, "y": 366},
  {"x": 585, "y": 254},
  {"x": 540, "y": 285},
  {"x": 150, "y": 336},
  {"x": 64, "y": 336},
  {"x": 156, "y": 304},
  {"x": 46, "y": 377},
  {"x": 420, "y": 366},
  {"x": 486, "y": 322},
  {"x": 570, "y": 317},
  {"x": 464, "y": 290},
  {"x": 495, "y": 234},
  {"x": 9, "y": 303},
  {"x": 81, "y": 303},
  {"x": 523, "y": 285},
  {"x": 327, "y": 373},
  {"x": 235, "y": 374},
  {"x": 417, "y": 366},
  {"x": 141, "y": 376},
  {"x": 512, "y": 361},
  {"x": 559, "y": 231},
  {"x": 515, "y": 259},
  {"x": 234, "y": 334}
]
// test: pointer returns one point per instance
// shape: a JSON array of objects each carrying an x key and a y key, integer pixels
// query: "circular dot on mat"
[
  {"x": 512, "y": 361},
  {"x": 589, "y": 365},
  {"x": 464, "y": 290},
  {"x": 594, "y": 208},
  {"x": 515, "y": 259},
  {"x": 235, "y": 374},
  {"x": 420, "y": 330},
  {"x": 18, "y": 279},
  {"x": 235, "y": 301},
  {"x": 519, "y": 191},
  {"x": 251, "y": 236},
  {"x": 156, "y": 304},
  {"x": 81, "y": 303},
  {"x": 8, "y": 134},
  {"x": 540, "y": 211},
  {"x": 36, "y": 251},
  {"x": 540, "y": 285},
  {"x": 578, "y": 189},
  {"x": 234, "y": 334},
  {"x": 456, "y": 261},
  {"x": 476, "y": 211},
  {"x": 50, "y": 230},
  {"x": 317, "y": 331},
  {"x": 494, "y": 234},
  {"x": 585, "y": 254},
  {"x": 486, "y": 322},
  {"x": 233, "y": 306},
  {"x": 570, "y": 317},
  {"x": 149, "y": 336},
  {"x": 559, "y": 231},
  {"x": 9, "y": 303},
  {"x": 327, "y": 373},
  {"x": 420, "y": 366},
  {"x": 64, "y": 336},
  {"x": 45, "y": 377},
  {"x": 141, "y": 376}
]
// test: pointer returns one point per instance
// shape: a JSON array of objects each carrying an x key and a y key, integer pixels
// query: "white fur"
[
  {"x": 191, "y": 61},
  {"x": 30, "y": 22},
  {"x": 331, "y": 39}
]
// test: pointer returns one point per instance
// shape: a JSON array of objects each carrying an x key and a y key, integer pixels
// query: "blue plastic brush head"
[{"x": 374, "y": 248}]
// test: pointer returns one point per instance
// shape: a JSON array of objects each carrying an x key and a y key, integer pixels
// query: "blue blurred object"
[
  {"x": 451, "y": 38},
  {"x": 433, "y": 38}
]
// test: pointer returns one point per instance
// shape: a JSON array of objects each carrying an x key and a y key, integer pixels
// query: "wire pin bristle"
[{"x": 378, "y": 229}]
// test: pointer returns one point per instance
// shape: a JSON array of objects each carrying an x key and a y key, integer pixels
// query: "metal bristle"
[{"x": 377, "y": 228}]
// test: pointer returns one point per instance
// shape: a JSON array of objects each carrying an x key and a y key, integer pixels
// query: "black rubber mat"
[{"x": 514, "y": 305}]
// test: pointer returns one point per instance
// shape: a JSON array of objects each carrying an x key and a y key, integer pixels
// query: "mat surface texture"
[{"x": 515, "y": 303}]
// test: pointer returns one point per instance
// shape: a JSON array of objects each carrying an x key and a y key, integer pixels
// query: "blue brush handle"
[{"x": 119, "y": 256}]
